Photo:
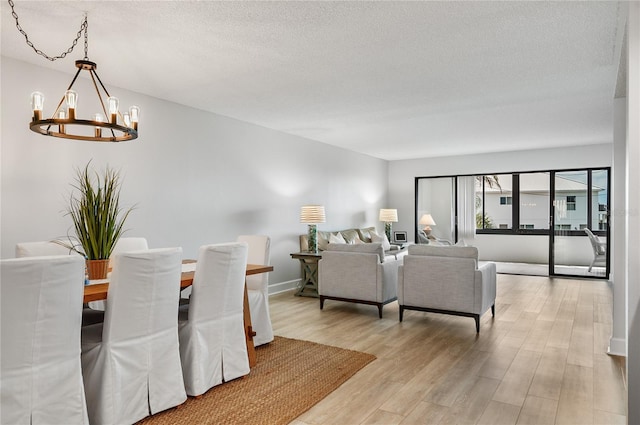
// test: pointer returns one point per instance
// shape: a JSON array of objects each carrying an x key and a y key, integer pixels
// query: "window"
[
  {"x": 534, "y": 195},
  {"x": 527, "y": 202},
  {"x": 494, "y": 201}
]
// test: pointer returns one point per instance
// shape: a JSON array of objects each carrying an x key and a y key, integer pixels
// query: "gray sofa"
[
  {"x": 446, "y": 279},
  {"x": 349, "y": 235},
  {"x": 358, "y": 273}
]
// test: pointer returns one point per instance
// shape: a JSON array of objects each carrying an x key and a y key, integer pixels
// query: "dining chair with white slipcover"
[
  {"x": 258, "y": 287},
  {"x": 95, "y": 312},
  {"x": 40, "y": 373},
  {"x": 41, "y": 248},
  {"x": 129, "y": 244},
  {"x": 131, "y": 361},
  {"x": 212, "y": 338}
]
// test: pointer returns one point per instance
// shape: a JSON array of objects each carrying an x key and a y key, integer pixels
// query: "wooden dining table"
[{"x": 98, "y": 292}]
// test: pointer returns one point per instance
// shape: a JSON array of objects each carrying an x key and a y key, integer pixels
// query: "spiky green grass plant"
[{"x": 94, "y": 207}]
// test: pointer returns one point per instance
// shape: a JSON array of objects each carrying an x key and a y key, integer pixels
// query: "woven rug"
[{"x": 290, "y": 377}]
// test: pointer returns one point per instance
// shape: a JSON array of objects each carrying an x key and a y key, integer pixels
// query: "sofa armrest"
[
  {"x": 388, "y": 279},
  {"x": 488, "y": 286}
]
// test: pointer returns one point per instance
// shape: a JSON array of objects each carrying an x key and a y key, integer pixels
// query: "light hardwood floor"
[{"x": 541, "y": 360}]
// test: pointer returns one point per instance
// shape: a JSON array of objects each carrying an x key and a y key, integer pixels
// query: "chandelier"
[{"x": 108, "y": 125}]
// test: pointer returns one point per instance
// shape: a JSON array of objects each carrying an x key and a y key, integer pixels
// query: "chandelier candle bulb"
[
  {"x": 98, "y": 118},
  {"x": 114, "y": 104},
  {"x": 71, "y": 97},
  {"x": 62, "y": 114},
  {"x": 126, "y": 119},
  {"x": 134, "y": 114},
  {"x": 37, "y": 104}
]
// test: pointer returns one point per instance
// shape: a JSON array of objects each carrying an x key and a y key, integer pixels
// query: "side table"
[{"x": 309, "y": 262}]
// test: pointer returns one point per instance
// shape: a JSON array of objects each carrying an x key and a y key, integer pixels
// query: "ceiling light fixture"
[{"x": 119, "y": 127}]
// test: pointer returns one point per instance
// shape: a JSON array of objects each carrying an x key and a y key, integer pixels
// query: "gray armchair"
[
  {"x": 446, "y": 279},
  {"x": 358, "y": 273}
]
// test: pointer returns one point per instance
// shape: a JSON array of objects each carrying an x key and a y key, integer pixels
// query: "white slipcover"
[
  {"x": 96, "y": 311},
  {"x": 36, "y": 249},
  {"x": 212, "y": 340},
  {"x": 40, "y": 374},
  {"x": 258, "y": 287},
  {"x": 129, "y": 244},
  {"x": 131, "y": 362}
]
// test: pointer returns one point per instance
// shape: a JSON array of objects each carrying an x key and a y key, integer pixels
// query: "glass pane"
[
  {"x": 435, "y": 197},
  {"x": 534, "y": 201},
  {"x": 571, "y": 200},
  {"x": 495, "y": 211},
  {"x": 571, "y": 249},
  {"x": 599, "y": 184}
]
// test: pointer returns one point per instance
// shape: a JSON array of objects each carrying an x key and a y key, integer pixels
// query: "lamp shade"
[
  {"x": 427, "y": 220},
  {"x": 312, "y": 214},
  {"x": 389, "y": 215}
]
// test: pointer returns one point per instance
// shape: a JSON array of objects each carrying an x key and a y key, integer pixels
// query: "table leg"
[
  {"x": 248, "y": 331},
  {"x": 309, "y": 284}
]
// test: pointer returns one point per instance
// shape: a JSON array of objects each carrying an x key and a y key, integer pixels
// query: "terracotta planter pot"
[{"x": 97, "y": 269}]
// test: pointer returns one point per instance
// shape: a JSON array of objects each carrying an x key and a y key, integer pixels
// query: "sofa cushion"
[
  {"x": 350, "y": 235},
  {"x": 323, "y": 240},
  {"x": 372, "y": 248},
  {"x": 444, "y": 251}
]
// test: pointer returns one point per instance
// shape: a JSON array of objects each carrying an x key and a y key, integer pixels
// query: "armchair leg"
[
  {"x": 321, "y": 302},
  {"x": 493, "y": 310},
  {"x": 476, "y": 317},
  {"x": 401, "y": 311},
  {"x": 380, "y": 311}
]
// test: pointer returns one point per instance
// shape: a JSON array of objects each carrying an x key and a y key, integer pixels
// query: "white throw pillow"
[
  {"x": 336, "y": 238},
  {"x": 358, "y": 241},
  {"x": 386, "y": 246}
]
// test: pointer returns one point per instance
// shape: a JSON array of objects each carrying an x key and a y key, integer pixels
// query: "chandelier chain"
[{"x": 62, "y": 55}]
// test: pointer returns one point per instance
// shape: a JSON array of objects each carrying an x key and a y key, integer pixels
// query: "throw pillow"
[
  {"x": 365, "y": 233},
  {"x": 375, "y": 238},
  {"x": 350, "y": 235},
  {"x": 336, "y": 238},
  {"x": 358, "y": 241}
]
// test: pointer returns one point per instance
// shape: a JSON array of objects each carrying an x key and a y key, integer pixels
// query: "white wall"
[
  {"x": 618, "y": 341},
  {"x": 633, "y": 213},
  {"x": 195, "y": 177}
]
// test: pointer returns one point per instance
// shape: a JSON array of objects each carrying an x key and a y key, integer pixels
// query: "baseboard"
[
  {"x": 617, "y": 347},
  {"x": 290, "y": 285}
]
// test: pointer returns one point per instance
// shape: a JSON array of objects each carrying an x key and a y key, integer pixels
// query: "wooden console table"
[{"x": 309, "y": 262}]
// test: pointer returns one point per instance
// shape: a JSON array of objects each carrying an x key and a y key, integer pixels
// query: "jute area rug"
[{"x": 290, "y": 377}]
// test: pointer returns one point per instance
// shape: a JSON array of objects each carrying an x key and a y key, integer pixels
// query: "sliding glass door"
[{"x": 580, "y": 223}]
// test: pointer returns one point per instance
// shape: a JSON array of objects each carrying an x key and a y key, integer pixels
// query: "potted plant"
[{"x": 98, "y": 219}]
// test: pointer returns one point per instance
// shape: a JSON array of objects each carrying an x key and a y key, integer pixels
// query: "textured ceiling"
[{"x": 393, "y": 80}]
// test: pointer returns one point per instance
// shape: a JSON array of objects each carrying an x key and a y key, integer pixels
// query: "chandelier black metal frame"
[{"x": 119, "y": 127}]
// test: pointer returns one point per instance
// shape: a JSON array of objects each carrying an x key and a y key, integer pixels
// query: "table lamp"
[
  {"x": 312, "y": 215},
  {"x": 388, "y": 216},
  {"x": 426, "y": 220}
]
